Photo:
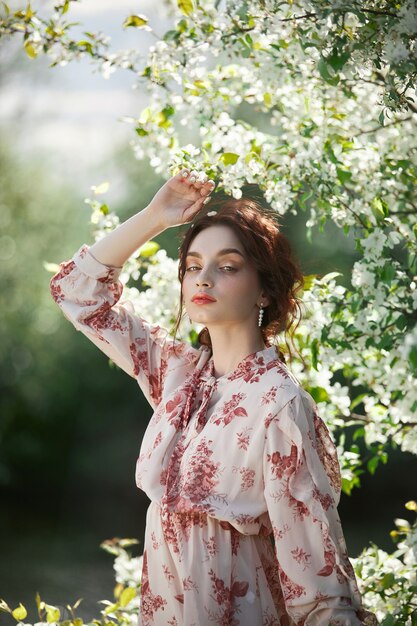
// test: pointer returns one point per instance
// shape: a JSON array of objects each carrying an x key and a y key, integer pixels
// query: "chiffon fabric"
[{"x": 242, "y": 474}]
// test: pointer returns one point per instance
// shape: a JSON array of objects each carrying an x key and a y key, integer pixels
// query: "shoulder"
[
  {"x": 172, "y": 347},
  {"x": 281, "y": 385}
]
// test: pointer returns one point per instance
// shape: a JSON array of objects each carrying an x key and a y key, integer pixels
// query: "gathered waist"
[{"x": 189, "y": 518}]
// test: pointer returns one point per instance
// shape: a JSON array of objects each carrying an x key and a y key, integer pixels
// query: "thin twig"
[
  {"x": 298, "y": 17},
  {"x": 374, "y": 12},
  {"x": 378, "y": 128}
]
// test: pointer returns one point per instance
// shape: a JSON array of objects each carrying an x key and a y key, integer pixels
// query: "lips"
[{"x": 202, "y": 298}]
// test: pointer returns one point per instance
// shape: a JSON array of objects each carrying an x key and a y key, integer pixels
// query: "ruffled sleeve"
[
  {"x": 89, "y": 292},
  {"x": 302, "y": 489}
]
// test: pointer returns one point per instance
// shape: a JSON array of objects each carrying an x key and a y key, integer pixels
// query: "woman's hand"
[{"x": 181, "y": 198}]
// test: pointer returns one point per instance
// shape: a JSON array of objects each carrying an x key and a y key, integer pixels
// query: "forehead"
[{"x": 215, "y": 238}]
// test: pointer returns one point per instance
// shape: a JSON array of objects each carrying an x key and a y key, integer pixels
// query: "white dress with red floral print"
[{"x": 243, "y": 477}]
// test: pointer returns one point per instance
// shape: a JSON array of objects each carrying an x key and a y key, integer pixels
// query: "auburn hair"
[{"x": 266, "y": 248}]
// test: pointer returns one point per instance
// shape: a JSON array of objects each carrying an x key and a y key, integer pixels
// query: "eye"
[
  {"x": 228, "y": 268},
  {"x": 191, "y": 268}
]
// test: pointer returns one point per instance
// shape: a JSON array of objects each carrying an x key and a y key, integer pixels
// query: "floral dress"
[{"x": 243, "y": 477}]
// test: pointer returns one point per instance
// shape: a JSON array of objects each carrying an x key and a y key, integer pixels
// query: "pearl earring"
[{"x": 261, "y": 316}]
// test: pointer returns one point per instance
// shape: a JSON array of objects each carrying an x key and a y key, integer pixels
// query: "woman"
[{"x": 242, "y": 475}]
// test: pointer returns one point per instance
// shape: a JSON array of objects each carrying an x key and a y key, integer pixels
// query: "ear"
[{"x": 263, "y": 300}]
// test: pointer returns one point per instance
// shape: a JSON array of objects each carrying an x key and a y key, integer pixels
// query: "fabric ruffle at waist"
[{"x": 246, "y": 525}]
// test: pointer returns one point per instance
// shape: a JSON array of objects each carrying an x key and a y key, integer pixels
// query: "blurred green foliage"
[
  {"x": 49, "y": 376},
  {"x": 34, "y": 389}
]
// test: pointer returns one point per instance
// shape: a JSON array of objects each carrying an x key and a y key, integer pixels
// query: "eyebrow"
[{"x": 220, "y": 253}]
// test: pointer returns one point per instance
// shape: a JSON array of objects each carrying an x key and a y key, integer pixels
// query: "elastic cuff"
[{"x": 89, "y": 265}]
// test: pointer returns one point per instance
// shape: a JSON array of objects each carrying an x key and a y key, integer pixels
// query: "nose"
[{"x": 204, "y": 278}]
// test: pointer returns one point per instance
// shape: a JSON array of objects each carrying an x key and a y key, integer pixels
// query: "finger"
[
  {"x": 207, "y": 188},
  {"x": 191, "y": 212},
  {"x": 193, "y": 176},
  {"x": 201, "y": 181},
  {"x": 198, "y": 179},
  {"x": 185, "y": 172}
]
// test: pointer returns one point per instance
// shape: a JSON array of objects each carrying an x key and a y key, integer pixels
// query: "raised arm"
[
  {"x": 88, "y": 291},
  {"x": 177, "y": 202}
]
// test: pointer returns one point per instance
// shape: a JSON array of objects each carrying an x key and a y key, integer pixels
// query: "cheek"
[
  {"x": 243, "y": 286},
  {"x": 186, "y": 286}
]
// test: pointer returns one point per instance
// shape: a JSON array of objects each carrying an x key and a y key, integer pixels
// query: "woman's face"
[{"x": 216, "y": 265}]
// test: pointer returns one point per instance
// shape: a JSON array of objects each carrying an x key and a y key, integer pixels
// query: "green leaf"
[
  {"x": 330, "y": 152},
  {"x": 38, "y": 603},
  {"x": 171, "y": 35},
  {"x": 168, "y": 111},
  {"x": 185, "y": 6},
  {"x": 359, "y": 432},
  {"x": 358, "y": 400},
  {"x": 104, "y": 209},
  {"x": 372, "y": 464},
  {"x": 304, "y": 198},
  {"x": 51, "y": 267},
  {"x": 126, "y": 596},
  {"x": 337, "y": 60},
  {"x": 319, "y": 394},
  {"x": 328, "y": 277},
  {"x": 229, "y": 158},
  {"x": 307, "y": 130},
  {"x": 83, "y": 43},
  {"x": 182, "y": 25},
  {"x": 30, "y": 50},
  {"x": 126, "y": 542},
  {"x": 381, "y": 118},
  {"x": 111, "y": 608},
  {"x": 53, "y": 614},
  {"x": 388, "y": 273},
  {"x": 102, "y": 188},
  {"x": 412, "y": 262},
  {"x": 314, "y": 353},
  {"x": 135, "y": 21},
  {"x": 379, "y": 208},
  {"x": 145, "y": 115},
  {"x": 327, "y": 72},
  {"x": 20, "y": 613},
  {"x": 343, "y": 175},
  {"x": 412, "y": 358},
  {"x": 347, "y": 485},
  {"x": 308, "y": 281},
  {"x": 148, "y": 249},
  {"x": 267, "y": 99},
  {"x": 401, "y": 322}
]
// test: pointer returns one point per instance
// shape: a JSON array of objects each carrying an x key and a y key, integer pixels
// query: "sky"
[{"x": 71, "y": 116}]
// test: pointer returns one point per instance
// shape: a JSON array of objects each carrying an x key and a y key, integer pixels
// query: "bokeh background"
[{"x": 70, "y": 423}]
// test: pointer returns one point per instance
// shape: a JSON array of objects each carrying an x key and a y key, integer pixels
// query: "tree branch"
[
  {"x": 299, "y": 17},
  {"x": 374, "y": 12},
  {"x": 378, "y": 128}
]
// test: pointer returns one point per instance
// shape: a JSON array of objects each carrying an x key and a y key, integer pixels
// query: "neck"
[{"x": 232, "y": 344}]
